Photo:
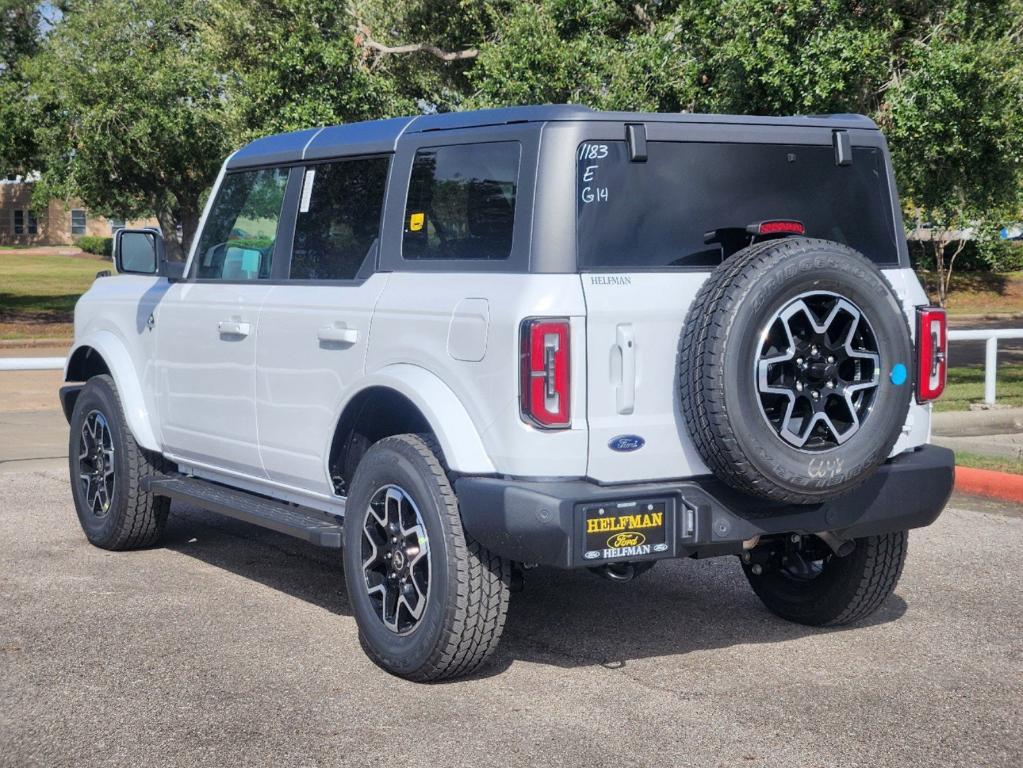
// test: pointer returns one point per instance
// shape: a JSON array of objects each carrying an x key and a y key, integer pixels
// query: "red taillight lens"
[
  {"x": 777, "y": 227},
  {"x": 544, "y": 389},
  {"x": 931, "y": 353}
]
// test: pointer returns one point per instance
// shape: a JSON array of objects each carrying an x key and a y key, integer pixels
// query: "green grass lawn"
[
  {"x": 996, "y": 463},
  {"x": 38, "y": 293},
  {"x": 966, "y": 385},
  {"x": 979, "y": 293}
]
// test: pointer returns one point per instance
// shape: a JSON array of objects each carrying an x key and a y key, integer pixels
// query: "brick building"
[{"x": 59, "y": 223}]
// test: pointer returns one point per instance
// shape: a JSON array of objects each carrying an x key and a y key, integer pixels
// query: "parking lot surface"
[{"x": 231, "y": 645}]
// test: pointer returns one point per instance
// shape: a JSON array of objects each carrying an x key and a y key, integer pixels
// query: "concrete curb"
[
  {"x": 35, "y": 343},
  {"x": 987, "y": 482},
  {"x": 972, "y": 423}
]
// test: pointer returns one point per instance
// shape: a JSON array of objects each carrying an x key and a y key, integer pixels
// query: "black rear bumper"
[{"x": 542, "y": 521}]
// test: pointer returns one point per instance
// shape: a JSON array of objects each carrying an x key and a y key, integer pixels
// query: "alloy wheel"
[
  {"x": 96, "y": 463},
  {"x": 817, "y": 371},
  {"x": 396, "y": 559}
]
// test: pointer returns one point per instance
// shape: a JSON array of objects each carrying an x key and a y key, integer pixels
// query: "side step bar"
[{"x": 310, "y": 525}]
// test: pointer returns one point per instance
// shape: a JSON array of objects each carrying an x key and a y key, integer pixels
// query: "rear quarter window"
[
  {"x": 461, "y": 202},
  {"x": 660, "y": 214}
]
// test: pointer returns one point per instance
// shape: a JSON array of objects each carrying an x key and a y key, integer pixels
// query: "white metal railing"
[
  {"x": 990, "y": 339},
  {"x": 32, "y": 363}
]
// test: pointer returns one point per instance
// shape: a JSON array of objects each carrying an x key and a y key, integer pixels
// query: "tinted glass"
[
  {"x": 237, "y": 242},
  {"x": 338, "y": 218},
  {"x": 689, "y": 204},
  {"x": 461, "y": 202}
]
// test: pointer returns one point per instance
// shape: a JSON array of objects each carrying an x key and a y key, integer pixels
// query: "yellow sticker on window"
[{"x": 416, "y": 221}]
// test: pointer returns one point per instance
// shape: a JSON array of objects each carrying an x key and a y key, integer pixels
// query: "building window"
[
  {"x": 116, "y": 224},
  {"x": 77, "y": 221},
  {"x": 19, "y": 222},
  {"x": 33, "y": 224}
]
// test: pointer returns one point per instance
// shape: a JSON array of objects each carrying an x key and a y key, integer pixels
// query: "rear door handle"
[
  {"x": 233, "y": 328},
  {"x": 338, "y": 334},
  {"x": 625, "y": 343}
]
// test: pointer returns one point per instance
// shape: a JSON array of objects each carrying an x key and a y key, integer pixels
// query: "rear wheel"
[
  {"x": 107, "y": 468},
  {"x": 430, "y": 602},
  {"x": 827, "y": 590}
]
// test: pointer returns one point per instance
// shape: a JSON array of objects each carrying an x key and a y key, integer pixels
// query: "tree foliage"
[
  {"x": 138, "y": 100},
  {"x": 130, "y": 113},
  {"x": 20, "y": 38}
]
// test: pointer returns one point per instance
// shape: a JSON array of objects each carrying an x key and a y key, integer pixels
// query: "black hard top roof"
[{"x": 378, "y": 136}]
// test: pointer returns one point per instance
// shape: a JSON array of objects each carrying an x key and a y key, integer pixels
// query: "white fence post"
[{"x": 990, "y": 369}]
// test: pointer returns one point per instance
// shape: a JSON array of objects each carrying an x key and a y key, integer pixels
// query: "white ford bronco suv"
[{"x": 459, "y": 345}]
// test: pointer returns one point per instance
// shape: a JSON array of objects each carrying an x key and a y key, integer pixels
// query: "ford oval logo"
[{"x": 626, "y": 443}]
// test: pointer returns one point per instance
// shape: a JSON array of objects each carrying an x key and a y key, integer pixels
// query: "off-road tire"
[
  {"x": 135, "y": 517},
  {"x": 848, "y": 588},
  {"x": 718, "y": 396},
  {"x": 469, "y": 586}
]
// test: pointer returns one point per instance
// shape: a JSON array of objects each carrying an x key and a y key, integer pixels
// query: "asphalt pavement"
[
  {"x": 1010, "y": 351},
  {"x": 230, "y": 645}
]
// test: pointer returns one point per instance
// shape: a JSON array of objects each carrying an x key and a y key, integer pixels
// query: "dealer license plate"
[{"x": 625, "y": 531}]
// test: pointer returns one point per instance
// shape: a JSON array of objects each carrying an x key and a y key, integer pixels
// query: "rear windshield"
[{"x": 689, "y": 204}]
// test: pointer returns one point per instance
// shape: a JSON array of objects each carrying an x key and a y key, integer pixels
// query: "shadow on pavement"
[{"x": 561, "y": 618}]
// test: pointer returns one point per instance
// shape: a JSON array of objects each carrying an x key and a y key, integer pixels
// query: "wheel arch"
[
  {"x": 404, "y": 398},
  {"x": 103, "y": 353}
]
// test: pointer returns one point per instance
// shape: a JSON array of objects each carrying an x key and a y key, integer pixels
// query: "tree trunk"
[
  {"x": 938, "y": 244},
  {"x": 189, "y": 225},
  {"x": 169, "y": 227}
]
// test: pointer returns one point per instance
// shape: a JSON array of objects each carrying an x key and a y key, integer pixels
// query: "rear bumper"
[{"x": 542, "y": 521}]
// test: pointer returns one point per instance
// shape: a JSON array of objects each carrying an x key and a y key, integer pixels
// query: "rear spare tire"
[{"x": 795, "y": 366}]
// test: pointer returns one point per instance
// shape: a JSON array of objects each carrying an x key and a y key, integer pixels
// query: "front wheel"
[
  {"x": 832, "y": 590},
  {"x": 429, "y": 601},
  {"x": 107, "y": 468}
]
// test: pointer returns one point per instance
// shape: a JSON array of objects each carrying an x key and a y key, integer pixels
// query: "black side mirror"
[{"x": 142, "y": 252}]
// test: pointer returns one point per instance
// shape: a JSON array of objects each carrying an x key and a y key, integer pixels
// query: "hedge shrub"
[{"x": 101, "y": 246}]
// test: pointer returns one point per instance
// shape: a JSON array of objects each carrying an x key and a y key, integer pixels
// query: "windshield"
[{"x": 689, "y": 204}]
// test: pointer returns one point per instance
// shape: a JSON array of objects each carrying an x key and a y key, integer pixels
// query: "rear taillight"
[
  {"x": 931, "y": 353},
  {"x": 544, "y": 389}
]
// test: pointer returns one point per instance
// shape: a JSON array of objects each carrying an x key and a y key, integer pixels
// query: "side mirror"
[{"x": 142, "y": 252}]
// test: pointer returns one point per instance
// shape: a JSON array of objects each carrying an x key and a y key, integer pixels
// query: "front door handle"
[
  {"x": 338, "y": 334},
  {"x": 233, "y": 328}
]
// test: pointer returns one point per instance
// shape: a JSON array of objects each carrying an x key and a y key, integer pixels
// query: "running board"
[{"x": 311, "y": 525}]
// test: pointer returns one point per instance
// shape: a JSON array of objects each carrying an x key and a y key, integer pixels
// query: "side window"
[
  {"x": 237, "y": 242},
  {"x": 338, "y": 218},
  {"x": 461, "y": 202}
]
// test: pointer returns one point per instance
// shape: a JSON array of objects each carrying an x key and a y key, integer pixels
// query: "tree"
[
  {"x": 20, "y": 35},
  {"x": 954, "y": 118},
  {"x": 291, "y": 64},
  {"x": 131, "y": 115}
]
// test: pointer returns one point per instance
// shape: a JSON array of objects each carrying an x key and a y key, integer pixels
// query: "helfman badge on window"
[{"x": 415, "y": 221}]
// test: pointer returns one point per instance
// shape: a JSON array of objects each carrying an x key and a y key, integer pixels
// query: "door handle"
[
  {"x": 233, "y": 328},
  {"x": 625, "y": 344},
  {"x": 338, "y": 334}
]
